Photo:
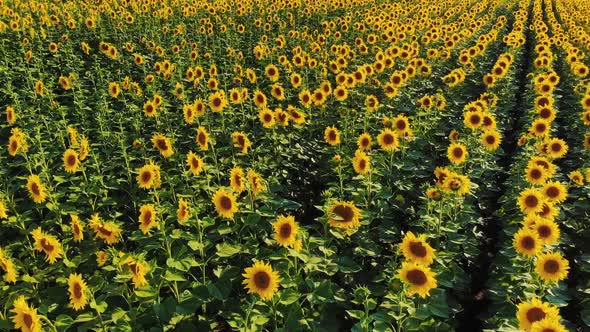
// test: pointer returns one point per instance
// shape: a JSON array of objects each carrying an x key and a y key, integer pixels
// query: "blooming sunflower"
[
  {"x": 25, "y": 318},
  {"x": 148, "y": 176},
  {"x": 150, "y": 109},
  {"x": 109, "y": 232},
  {"x": 554, "y": 192},
  {"x": 71, "y": 161},
  {"x": 203, "y": 138},
  {"x": 195, "y": 163},
  {"x": 534, "y": 311},
  {"x": 10, "y": 115},
  {"x": 217, "y": 101},
  {"x": 547, "y": 230},
  {"x": 147, "y": 218},
  {"x": 286, "y": 229},
  {"x": 526, "y": 242},
  {"x": 77, "y": 228},
  {"x": 266, "y": 117},
  {"x": 416, "y": 249},
  {"x": 401, "y": 124},
  {"x": 138, "y": 270},
  {"x": 344, "y": 215},
  {"x": 84, "y": 149},
  {"x": 183, "y": 211},
  {"x": 473, "y": 119},
  {"x": 361, "y": 162},
  {"x": 548, "y": 325},
  {"x": 6, "y": 264},
  {"x": 225, "y": 203},
  {"x": 576, "y": 177},
  {"x": 272, "y": 72},
  {"x": 36, "y": 188},
  {"x": 48, "y": 244},
  {"x": 241, "y": 141},
  {"x": 255, "y": 181},
  {"x": 371, "y": 103},
  {"x": 420, "y": 279},
  {"x": 491, "y": 139},
  {"x": 236, "y": 179},
  {"x": 388, "y": 140},
  {"x": 163, "y": 144},
  {"x": 364, "y": 141},
  {"x": 77, "y": 288},
  {"x": 262, "y": 280},
  {"x": 530, "y": 201},
  {"x": 552, "y": 267},
  {"x": 535, "y": 174},
  {"x": 556, "y": 148},
  {"x": 101, "y": 258},
  {"x": 457, "y": 153},
  {"x": 114, "y": 89},
  {"x": 332, "y": 135}
]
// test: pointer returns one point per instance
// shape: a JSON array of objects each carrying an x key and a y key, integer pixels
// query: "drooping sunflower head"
[
  {"x": 163, "y": 144},
  {"x": 286, "y": 229},
  {"x": 195, "y": 163},
  {"x": 526, "y": 242},
  {"x": 241, "y": 141},
  {"x": 534, "y": 311},
  {"x": 202, "y": 138},
  {"x": 262, "y": 280},
  {"x": 576, "y": 177},
  {"x": 344, "y": 215},
  {"x": 77, "y": 228},
  {"x": 147, "y": 218},
  {"x": 236, "y": 179},
  {"x": 225, "y": 203},
  {"x": 420, "y": 279},
  {"x": 416, "y": 249}
]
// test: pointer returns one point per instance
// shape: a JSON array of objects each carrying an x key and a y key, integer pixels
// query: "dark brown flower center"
[
  {"x": 552, "y": 192},
  {"x": 551, "y": 266},
  {"x": 262, "y": 280},
  {"x": 535, "y": 314},
  {"x": 544, "y": 231},
  {"x": 388, "y": 139},
  {"x": 146, "y": 176},
  {"x": 457, "y": 152},
  {"x": 71, "y": 160},
  {"x": 77, "y": 290},
  {"x": 285, "y": 230},
  {"x": 475, "y": 119},
  {"x": 28, "y": 320},
  {"x": 225, "y": 203},
  {"x": 555, "y": 147},
  {"x": 531, "y": 201},
  {"x": 104, "y": 231},
  {"x": 528, "y": 243},
  {"x": 416, "y": 277},
  {"x": 344, "y": 212},
  {"x": 202, "y": 138},
  {"x": 418, "y": 249},
  {"x": 490, "y": 139},
  {"x": 536, "y": 174},
  {"x": 35, "y": 189},
  {"x": 147, "y": 218},
  {"x": 46, "y": 245},
  {"x": 332, "y": 135}
]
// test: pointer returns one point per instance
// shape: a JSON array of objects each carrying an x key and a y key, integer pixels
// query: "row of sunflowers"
[{"x": 294, "y": 165}]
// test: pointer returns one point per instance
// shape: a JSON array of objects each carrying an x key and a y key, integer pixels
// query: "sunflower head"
[
  {"x": 457, "y": 153},
  {"x": 344, "y": 215},
  {"x": 262, "y": 280},
  {"x": 534, "y": 311},
  {"x": 526, "y": 242},
  {"x": 286, "y": 229},
  {"x": 416, "y": 249},
  {"x": 551, "y": 267},
  {"x": 225, "y": 203},
  {"x": 77, "y": 288},
  {"x": 419, "y": 279}
]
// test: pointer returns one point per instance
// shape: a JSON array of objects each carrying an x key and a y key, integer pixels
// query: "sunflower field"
[{"x": 295, "y": 165}]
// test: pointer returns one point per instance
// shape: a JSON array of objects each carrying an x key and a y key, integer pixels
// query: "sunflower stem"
[{"x": 53, "y": 328}]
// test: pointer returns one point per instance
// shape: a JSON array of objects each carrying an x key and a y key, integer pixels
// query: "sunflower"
[
  {"x": 109, "y": 232},
  {"x": 203, "y": 138},
  {"x": 282, "y": 117},
  {"x": 554, "y": 192},
  {"x": 286, "y": 229},
  {"x": 195, "y": 163},
  {"x": 236, "y": 179},
  {"x": 101, "y": 258},
  {"x": 163, "y": 144},
  {"x": 545, "y": 163},
  {"x": 183, "y": 211},
  {"x": 305, "y": 98},
  {"x": 416, "y": 249},
  {"x": 576, "y": 177},
  {"x": 17, "y": 142},
  {"x": 114, "y": 89},
  {"x": 48, "y": 244},
  {"x": 491, "y": 139},
  {"x": 526, "y": 242},
  {"x": 371, "y": 103},
  {"x": 256, "y": 183},
  {"x": 36, "y": 188},
  {"x": 401, "y": 124},
  {"x": 456, "y": 184},
  {"x": 332, "y": 135},
  {"x": 10, "y": 115},
  {"x": 457, "y": 153},
  {"x": 6, "y": 264},
  {"x": 340, "y": 93},
  {"x": 361, "y": 162},
  {"x": 71, "y": 161},
  {"x": 225, "y": 203},
  {"x": 277, "y": 91},
  {"x": 433, "y": 193},
  {"x": 547, "y": 230},
  {"x": 295, "y": 115},
  {"x": 388, "y": 140},
  {"x": 217, "y": 101},
  {"x": 138, "y": 271},
  {"x": 547, "y": 325},
  {"x": 272, "y": 72},
  {"x": 551, "y": 267},
  {"x": 364, "y": 142},
  {"x": 556, "y": 148},
  {"x": 535, "y": 174},
  {"x": 77, "y": 288},
  {"x": 266, "y": 117},
  {"x": 148, "y": 176},
  {"x": 147, "y": 218},
  {"x": 540, "y": 128},
  {"x": 473, "y": 119},
  {"x": 262, "y": 280},
  {"x": 39, "y": 87},
  {"x": 534, "y": 311},
  {"x": 530, "y": 201},
  {"x": 150, "y": 109},
  {"x": 241, "y": 141},
  {"x": 344, "y": 215},
  {"x": 3, "y": 214},
  {"x": 26, "y": 318},
  {"x": 547, "y": 114},
  {"x": 420, "y": 279},
  {"x": 77, "y": 228}
]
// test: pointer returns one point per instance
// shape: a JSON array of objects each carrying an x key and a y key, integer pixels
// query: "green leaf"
[
  {"x": 170, "y": 276},
  {"x": 227, "y": 250},
  {"x": 289, "y": 296}
]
